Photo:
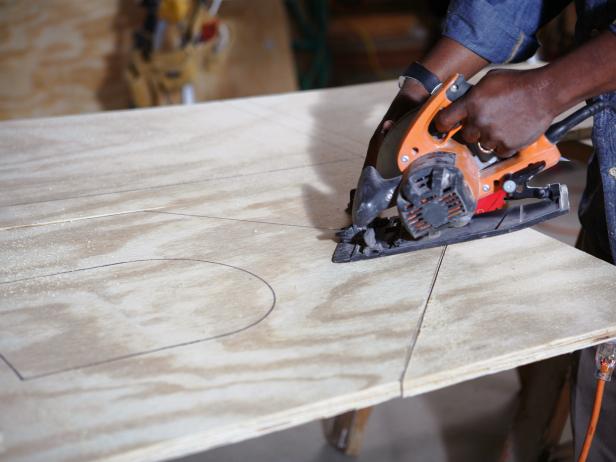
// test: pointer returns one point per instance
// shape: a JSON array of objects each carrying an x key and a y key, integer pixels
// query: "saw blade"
[{"x": 386, "y": 161}]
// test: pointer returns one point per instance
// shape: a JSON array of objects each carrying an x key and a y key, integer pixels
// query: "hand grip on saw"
[{"x": 421, "y": 139}]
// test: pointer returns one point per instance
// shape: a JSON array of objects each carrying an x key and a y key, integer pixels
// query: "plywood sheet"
[
  {"x": 244, "y": 208},
  {"x": 106, "y": 168},
  {"x": 167, "y": 284}
]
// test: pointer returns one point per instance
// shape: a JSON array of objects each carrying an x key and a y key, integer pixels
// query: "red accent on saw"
[{"x": 490, "y": 203}]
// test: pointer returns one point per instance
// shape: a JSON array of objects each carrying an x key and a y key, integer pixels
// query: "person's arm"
[
  {"x": 585, "y": 72},
  {"x": 476, "y": 32},
  {"x": 508, "y": 110},
  {"x": 446, "y": 58}
]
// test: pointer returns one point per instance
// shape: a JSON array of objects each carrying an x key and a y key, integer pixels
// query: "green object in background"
[{"x": 311, "y": 18}]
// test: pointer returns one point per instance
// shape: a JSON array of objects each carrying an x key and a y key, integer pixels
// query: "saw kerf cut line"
[{"x": 420, "y": 321}]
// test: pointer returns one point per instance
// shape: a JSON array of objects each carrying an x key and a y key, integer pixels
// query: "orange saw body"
[
  {"x": 419, "y": 142},
  {"x": 447, "y": 191}
]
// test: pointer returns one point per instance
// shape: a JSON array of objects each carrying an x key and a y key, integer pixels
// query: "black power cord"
[{"x": 556, "y": 132}]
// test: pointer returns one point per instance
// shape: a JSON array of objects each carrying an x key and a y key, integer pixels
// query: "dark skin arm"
[
  {"x": 446, "y": 58},
  {"x": 508, "y": 109}
]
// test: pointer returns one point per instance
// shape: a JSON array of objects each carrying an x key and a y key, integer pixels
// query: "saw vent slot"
[
  {"x": 433, "y": 194},
  {"x": 419, "y": 226}
]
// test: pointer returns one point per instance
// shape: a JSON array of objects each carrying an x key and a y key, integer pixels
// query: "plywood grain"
[
  {"x": 88, "y": 302},
  {"x": 242, "y": 207},
  {"x": 508, "y": 301},
  {"x": 167, "y": 284},
  {"x": 106, "y": 169},
  {"x": 144, "y": 369}
]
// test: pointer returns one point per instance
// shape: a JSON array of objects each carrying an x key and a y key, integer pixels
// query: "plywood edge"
[
  {"x": 412, "y": 386},
  {"x": 271, "y": 423},
  {"x": 137, "y": 112}
]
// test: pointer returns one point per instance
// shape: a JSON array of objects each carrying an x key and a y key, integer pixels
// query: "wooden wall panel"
[
  {"x": 68, "y": 56},
  {"x": 259, "y": 61},
  {"x": 63, "y": 56}
]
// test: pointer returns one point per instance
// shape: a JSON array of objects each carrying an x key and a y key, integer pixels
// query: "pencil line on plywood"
[
  {"x": 411, "y": 348},
  {"x": 171, "y": 185},
  {"x": 70, "y": 220},
  {"x": 156, "y": 210},
  {"x": 11, "y": 367},
  {"x": 24, "y": 378},
  {"x": 194, "y": 215}
]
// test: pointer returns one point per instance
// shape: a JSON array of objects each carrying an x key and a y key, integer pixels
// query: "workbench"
[{"x": 167, "y": 287}]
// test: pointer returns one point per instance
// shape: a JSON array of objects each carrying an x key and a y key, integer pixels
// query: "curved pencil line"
[
  {"x": 195, "y": 215},
  {"x": 153, "y": 350}
]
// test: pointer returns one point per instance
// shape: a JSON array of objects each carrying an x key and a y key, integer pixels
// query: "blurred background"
[{"x": 71, "y": 56}]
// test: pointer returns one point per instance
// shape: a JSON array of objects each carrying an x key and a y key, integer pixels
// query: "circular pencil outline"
[{"x": 153, "y": 350}]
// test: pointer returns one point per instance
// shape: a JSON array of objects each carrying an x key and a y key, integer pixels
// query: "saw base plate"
[{"x": 390, "y": 239}]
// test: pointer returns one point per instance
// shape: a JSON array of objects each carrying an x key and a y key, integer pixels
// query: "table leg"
[{"x": 345, "y": 432}]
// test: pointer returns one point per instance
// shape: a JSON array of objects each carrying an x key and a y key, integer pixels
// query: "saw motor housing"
[{"x": 434, "y": 193}]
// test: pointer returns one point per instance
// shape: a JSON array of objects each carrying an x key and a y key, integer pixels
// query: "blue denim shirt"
[{"x": 504, "y": 31}]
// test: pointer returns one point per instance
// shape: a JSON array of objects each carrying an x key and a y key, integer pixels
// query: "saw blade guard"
[{"x": 373, "y": 195}]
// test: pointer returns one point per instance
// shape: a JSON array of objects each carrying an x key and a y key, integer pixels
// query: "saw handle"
[
  {"x": 554, "y": 134},
  {"x": 454, "y": 91},
  {"x": 422, "y": 137}
]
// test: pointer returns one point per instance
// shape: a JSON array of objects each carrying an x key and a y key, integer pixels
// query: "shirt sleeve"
[{"x": 500, "y": 31}]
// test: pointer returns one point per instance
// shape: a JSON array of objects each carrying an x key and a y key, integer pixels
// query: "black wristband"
[{"x": 418, "y": 72}]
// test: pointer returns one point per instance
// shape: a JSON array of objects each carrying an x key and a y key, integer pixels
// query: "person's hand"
[
  {"x": 410, "y": 96},
  {"x": 506, "y": 111}
]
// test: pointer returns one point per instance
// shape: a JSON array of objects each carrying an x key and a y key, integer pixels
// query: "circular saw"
[{"x": 446, "y": 191}]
